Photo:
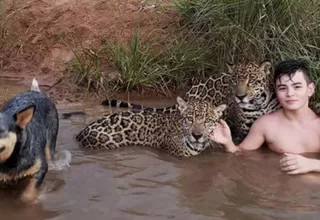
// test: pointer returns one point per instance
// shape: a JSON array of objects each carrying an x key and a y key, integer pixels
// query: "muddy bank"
[
  {"x": 61, "y": 95},
  {"x": 39, "y": 37}
]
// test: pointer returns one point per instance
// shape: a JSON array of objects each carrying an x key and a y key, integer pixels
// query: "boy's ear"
[
  {"x": 24, "y": 117},
  {"x": 311, "y": 89}
]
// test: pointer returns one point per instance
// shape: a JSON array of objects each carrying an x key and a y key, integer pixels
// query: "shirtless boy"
[{"x": 292, "y": 130}]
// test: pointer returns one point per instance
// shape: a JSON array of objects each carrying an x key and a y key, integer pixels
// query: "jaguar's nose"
[
  {"x": 241, "y": 97},
  {"x": 197, "y": 136}
]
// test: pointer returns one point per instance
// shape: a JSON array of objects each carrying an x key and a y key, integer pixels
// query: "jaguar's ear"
[
  {"x": 220, "y": 109},
  {"x": 265, "y": 66},
  {"x": 230, "y": 67},
  {"x": 182, "y": 105}
]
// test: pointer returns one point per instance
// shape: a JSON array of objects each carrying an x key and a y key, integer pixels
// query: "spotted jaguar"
[{"x": 182, "y": 133}]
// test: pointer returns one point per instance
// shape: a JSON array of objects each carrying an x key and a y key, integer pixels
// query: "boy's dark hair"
[{"x": 290, "y": 67}]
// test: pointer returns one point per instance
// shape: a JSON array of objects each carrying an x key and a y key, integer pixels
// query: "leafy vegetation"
[{"x": 256, "y": 29}]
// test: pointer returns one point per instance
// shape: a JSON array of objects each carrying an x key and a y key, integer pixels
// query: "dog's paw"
[{"x": 29, "y": 198}]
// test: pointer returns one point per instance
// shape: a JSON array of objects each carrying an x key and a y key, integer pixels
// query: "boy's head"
[
  {"x": 293, "y": 84},
  {"x": 289, "y": 68}
]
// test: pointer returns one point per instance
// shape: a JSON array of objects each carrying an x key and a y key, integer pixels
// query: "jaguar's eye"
[{"x": 188, "y": 120}]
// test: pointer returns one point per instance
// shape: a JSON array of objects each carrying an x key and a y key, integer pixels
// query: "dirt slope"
[{"x": 38, "y": 37}]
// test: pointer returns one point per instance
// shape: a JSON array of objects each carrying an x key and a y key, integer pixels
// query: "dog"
[{"x": 29, "y": 126}]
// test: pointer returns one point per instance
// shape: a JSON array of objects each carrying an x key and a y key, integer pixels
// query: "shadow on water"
[{"x": 140, "y": 183}]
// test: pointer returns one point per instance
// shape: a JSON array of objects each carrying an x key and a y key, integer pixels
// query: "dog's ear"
[{"x": 24, "y": 117}]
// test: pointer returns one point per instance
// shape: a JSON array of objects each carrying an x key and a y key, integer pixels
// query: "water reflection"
[{"x": 248, "y": 186}]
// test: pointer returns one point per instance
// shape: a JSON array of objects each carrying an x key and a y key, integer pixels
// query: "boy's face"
[{"x": 295, "y": 92}]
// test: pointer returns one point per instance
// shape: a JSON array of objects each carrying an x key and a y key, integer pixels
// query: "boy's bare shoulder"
[{"x": 268, "y": 118}]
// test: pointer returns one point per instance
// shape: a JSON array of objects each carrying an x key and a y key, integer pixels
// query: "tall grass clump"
[
  {"x": 136, "y": 63},
  {"x": 185, "y": 61},
  {"x": 255, "y": 29},
  {"x": 86, "y": 68},
  {"x": 140, "y": 66},
  {"x": 162, "y": 70}
]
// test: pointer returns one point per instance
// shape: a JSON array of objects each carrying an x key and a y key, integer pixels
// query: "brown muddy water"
[{"x": 140, "y": 183}]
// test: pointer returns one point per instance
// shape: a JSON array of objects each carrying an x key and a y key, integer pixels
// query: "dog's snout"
[{"x": 2, "y": 149}]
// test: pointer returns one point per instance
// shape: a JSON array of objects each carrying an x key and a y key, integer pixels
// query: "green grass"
[
  {"x": 179, "y": 62},
  {"x": 251, "y": 28},
  {"x": 255, "y": 29},
  {"x": 86, "y": 68},
  {"x": 142, "y": 67},
  {"x": 136, "y": 63}
]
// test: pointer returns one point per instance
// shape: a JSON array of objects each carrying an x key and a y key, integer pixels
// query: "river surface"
[{"x": 140, "y": 183}]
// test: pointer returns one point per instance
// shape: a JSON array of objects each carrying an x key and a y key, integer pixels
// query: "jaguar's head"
[
  {"x": 252, "y": 82},
  {"x": 200, "y": 118}
]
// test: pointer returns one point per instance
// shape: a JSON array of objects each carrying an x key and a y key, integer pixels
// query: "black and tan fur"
[{"x": 28, "y": 132}]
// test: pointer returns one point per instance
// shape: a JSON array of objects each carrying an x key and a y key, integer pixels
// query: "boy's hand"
[
  {"x": 222, "y": 134},
  {"x": 297, "y": 164}
]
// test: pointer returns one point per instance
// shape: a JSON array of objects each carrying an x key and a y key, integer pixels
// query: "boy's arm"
[
  {"x": 252, "y": 141},
  {"x": 297, "y": 164},
  {"x": 255, "y": 137}
]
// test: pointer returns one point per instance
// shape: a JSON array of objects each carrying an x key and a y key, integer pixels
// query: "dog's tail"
[
  {"x": 35, "y": 86},
  {"x": 62, "y": 160}
]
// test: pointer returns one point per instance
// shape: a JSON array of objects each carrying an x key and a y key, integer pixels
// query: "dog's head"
[{"x": 11, "y": 128}]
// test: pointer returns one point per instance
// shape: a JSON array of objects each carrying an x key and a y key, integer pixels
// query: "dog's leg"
[
  {"x": 47, "y": 152},
  {"x": 50, "y": 147},
  {"x": 31, "y": 191}
]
